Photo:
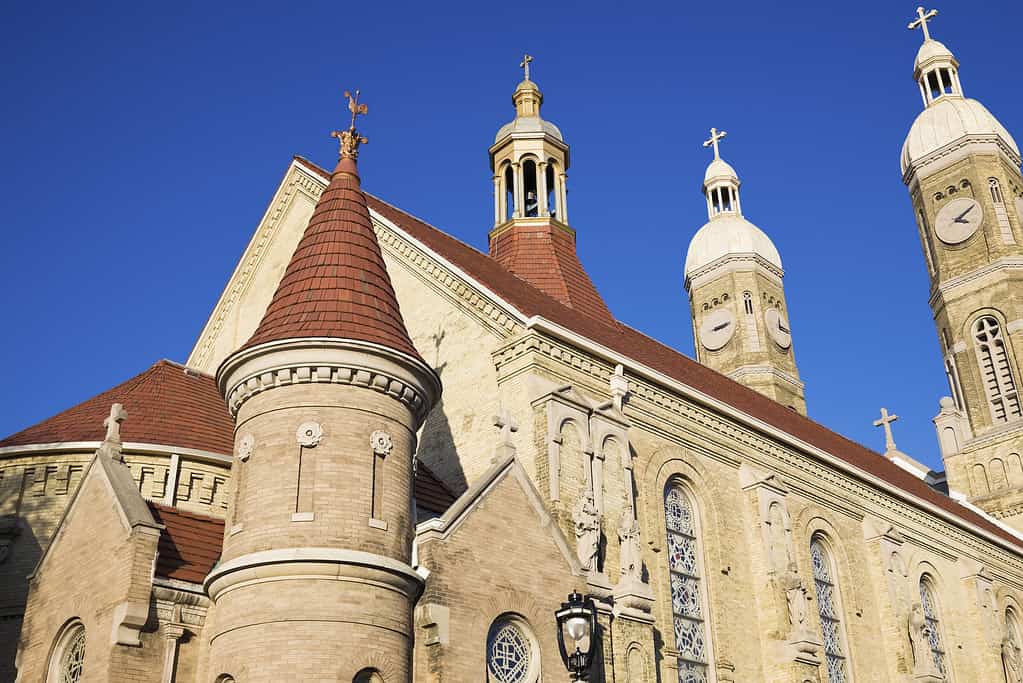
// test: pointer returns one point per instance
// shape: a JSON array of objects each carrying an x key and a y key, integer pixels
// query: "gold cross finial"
[
  {"x": 349, "y": 140},
  {"x": 922, "y": 17},
  {"x": 715, "y": 137},
  {"x": 526, "y": 59}
]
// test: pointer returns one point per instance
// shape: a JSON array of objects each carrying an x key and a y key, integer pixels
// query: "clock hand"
[{"x": 959, "y": 218}]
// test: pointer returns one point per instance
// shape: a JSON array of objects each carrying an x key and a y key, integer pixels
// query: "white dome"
[
  {"x": 528, "y": 124},
  {"x": 719, "y": 168},
  {"x": 729, "y": 234},
  {"x": 948, "y": 119},
  {"x": 932, "y": 49}
]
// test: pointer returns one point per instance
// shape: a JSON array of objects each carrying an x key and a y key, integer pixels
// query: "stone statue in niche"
[
  {"x": 628, "y": 542},
  {"x": 587, "y": 531},
  {"x": 795, "y": 597},
  {"x": 1011, "y": 660},
  {"x": 920, "y": 640}
]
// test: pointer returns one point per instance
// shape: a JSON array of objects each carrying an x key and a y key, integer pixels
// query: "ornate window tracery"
[
  {"x": 996, "y": 370},
  {"x": 68, "y": 659},
  {"x": 688, "y": 604},
  {"x": 930, "y": 608},
  {"x": 828, "y": 609},
  {"x": 512, "y": 655}
]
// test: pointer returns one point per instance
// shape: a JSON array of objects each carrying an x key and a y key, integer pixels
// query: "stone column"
[
  {"x": 541, "y": 188},
  {"x": 890, "y": 580},
  {"x": 171, "y": 632},
  {"x": 498, "y": 201}
]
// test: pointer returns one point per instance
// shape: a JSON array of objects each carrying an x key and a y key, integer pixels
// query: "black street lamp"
[{"x": 577, "y": 631}]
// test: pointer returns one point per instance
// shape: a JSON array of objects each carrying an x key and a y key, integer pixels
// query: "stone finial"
[
  {"x": 886, "y": 422},
  {"x": 505, "y": 447},
  {"x": 922, "y": 17}
]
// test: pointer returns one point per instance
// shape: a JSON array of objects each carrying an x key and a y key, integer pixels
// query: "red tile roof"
[
  {"x": 431, "y": 493},
  {"x": 189, "y": 544},
  {"x": 545, "y": 257},
  {"x": 166, "y": 404},
  {"x": 336, "y": 284},
  {"x": 633, "y": 344}
]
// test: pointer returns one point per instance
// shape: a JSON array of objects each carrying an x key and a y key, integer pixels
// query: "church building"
[{"x": 391, "y": 457}]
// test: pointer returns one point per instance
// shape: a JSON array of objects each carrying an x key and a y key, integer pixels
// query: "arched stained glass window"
[
  {"x": 68, "y": 655},
  {"x": 930, "y": 607},
  {"x": 511, "y": 653},
  {"x": 687, "y": 601},
  {"x": 828, "y": 609}
]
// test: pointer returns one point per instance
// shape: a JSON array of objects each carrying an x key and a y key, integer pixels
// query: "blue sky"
[{"x": 143, "y": 141}]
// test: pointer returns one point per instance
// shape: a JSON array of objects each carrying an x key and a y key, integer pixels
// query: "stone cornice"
[
  {"x": 747, "y": 370},
  {"x": 990, "y": 143},
  {"x": 767, "y": 447},
  {"x": 128, "y": 448},
  {"x": 324, "y": 360},
  {"x": 945, "y": 288},
  {"x": 331, "y": 564},
  {"x": 731, "y": 263}
]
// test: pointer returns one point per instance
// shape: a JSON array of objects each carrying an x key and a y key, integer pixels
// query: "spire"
[
  {"x": 936, "y": 69},
  {"x": 527, "y": 96},
  {"x": 336, "y": 284},
  {"x": 720, "y": 182}
]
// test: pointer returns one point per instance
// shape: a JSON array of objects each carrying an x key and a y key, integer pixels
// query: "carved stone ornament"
[
  {"x": 1012, "y": 661},
  {"x": 309, "y": 434},
  {"x": 245, "y": 446},
  {"x": 920, "y": 641},
  {"x": 380, "y": 441},
  {"x": 587, "y": 532}
]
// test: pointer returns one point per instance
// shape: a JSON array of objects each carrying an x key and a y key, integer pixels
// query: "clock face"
[
  {"x": 717, "y": 329},
  {"x": 958, "y": 220},
  {"x": 778, "y": 327}
]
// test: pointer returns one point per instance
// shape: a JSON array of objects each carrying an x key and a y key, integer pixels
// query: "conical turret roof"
[{"x": 336, "y": 284}]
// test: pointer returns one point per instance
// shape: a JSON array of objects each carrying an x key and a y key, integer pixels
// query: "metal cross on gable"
[
  {"x": 526, "y": 59},
  {"x": 886, "y": 421},
  {"x": 715, "y": 137},
  {"x": 922, "y": 17}
]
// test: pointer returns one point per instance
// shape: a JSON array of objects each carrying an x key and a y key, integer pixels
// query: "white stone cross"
[
  {"x": 507, "y": 425},
  {"x": 526, "y": 59},
  {"x": 921, "y": 21},
  {"x": 886, "y": 421},
  {"x": 113, "y": 423},
  {"x": 715, "y": 137}
]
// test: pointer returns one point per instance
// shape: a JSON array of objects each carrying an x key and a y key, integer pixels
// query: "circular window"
[
  {"x": 69, "y": 655},
  {"x": 511, "y": 653}
]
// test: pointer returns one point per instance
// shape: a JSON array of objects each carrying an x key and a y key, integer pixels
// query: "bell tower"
[
  {"x": 328, "y": 395},
  {"x": 733, "y": 274},
  {"x": 962, "y": 169},
  {"x": 531, "y": 236}
]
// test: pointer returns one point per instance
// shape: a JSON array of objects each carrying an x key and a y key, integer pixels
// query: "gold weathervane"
[{"x": 351, "y": 139}]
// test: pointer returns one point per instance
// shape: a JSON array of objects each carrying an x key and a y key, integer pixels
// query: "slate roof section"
[
  {"x": 336, "y": 284},
  {"x": 545, "y": 257},
  {"x": 167, "y": 404},
  {"x": 189, "y": 545},
  {"x": 631, "y": 343}
]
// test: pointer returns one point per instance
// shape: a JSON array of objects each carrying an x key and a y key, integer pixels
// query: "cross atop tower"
[
  {"x": 886, "y": 421},
  {"x": 526, "y": 59},
  {"x": 922, "y": 17},
  {"x": 715, "y": 137}
]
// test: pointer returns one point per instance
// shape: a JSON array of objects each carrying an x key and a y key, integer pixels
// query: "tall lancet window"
[
  {"x": 996, "y": 370},
  {"x": 688, "y": 605},
  {"x": 930, "y": 607},
  {"x": 829, "y": 611}
]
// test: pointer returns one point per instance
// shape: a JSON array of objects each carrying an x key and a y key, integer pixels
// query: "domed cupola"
[
  {"x": 734, "y": 277},
  {"x": 727, "y": 232},
  {"x": 950, "y": 122}
]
